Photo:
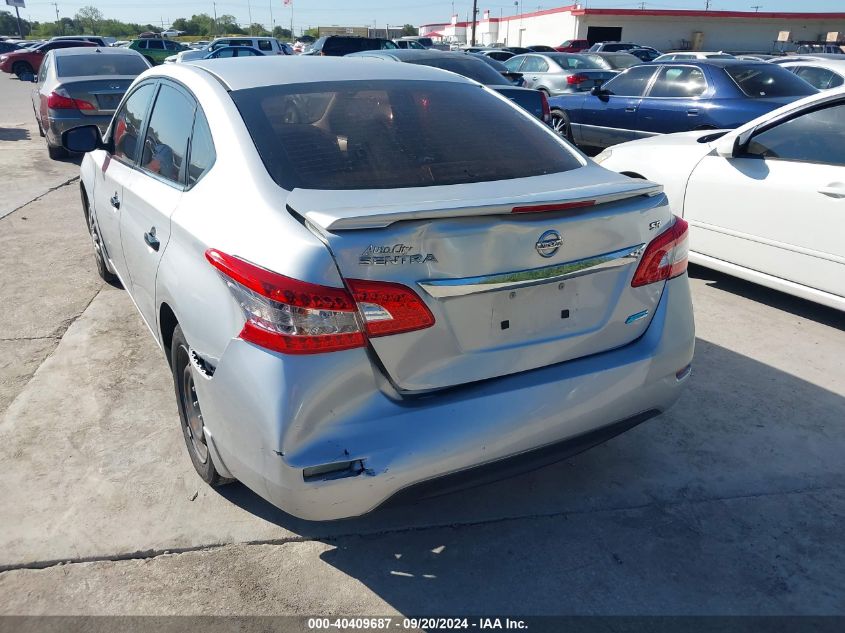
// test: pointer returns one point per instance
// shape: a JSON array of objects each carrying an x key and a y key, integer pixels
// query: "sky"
[{"x": 307, "y": 13}]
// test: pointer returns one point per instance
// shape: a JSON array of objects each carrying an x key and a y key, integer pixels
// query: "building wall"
[
  {"x": 553, "y": 26},
  {"x": 738, "y": 34}
]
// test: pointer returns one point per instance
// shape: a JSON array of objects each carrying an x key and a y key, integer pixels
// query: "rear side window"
[
  {"x": 265, "y": 45},
  {"x": 393, "y": 134},
  {"x": 467, "y": 66},
  {"x": 142, "y": 44},
  {"x": 631, "y": 83},
  {"x": 129, "y": 121},
  {"x": 155, "y": 45},
  {"x": 679, "y": 81},
  {"x": 576, "y": 62},
  {"x": 820, "y": 78},
  {"x": 166, "y": 143},
  {"x": 202, "y": 150},
  {"x": 85, "y": 65},
  {"x": 514, "y": 63},
  {"x": 760, "y": 80}
]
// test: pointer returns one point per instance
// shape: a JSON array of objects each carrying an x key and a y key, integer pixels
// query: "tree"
[
  {"x": 409, "y": 29},
  {"x": 189, "y": 27},
  {"x": 282, "y": 34},
  {"x": 9, "y": 24},
  {"x": 89, "y": 17},
  {"x": 258, "y": 30},
  {"x": 313, "y": 32}
]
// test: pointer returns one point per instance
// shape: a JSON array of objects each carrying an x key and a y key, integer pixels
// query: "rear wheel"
[
  {"x": 190, "y": 412},
  {"x": 19, "y": 68},
  {"x": 561, "y": 124}
]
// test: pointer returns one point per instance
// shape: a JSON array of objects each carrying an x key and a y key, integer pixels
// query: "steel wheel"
[{"x": 193, "y": 414}]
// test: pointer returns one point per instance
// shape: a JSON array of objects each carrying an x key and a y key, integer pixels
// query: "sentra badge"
[{"x": 376, "y": 255}]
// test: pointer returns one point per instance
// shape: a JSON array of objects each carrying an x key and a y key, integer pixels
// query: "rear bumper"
[
  {"x": 268, "y": 417},
  {"x": 60, "y": 122}
]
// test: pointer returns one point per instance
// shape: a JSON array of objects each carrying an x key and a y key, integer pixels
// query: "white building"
[{"x": 673, "y": 29}]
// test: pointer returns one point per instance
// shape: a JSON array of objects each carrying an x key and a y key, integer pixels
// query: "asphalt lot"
[{"x": 731, "y": 503}]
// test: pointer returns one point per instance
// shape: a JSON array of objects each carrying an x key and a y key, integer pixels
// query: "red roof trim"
[
  {"x": 505, "y": 18},
  {"x": 435, "y": 24},
  {"x": 684, "y": 13}
]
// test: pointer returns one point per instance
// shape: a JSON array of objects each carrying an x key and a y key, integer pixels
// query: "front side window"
[
  {"x": 265, "y": 45},
  {"x": 760, "y": 80},
  {"x": 815, "y": 137},
  {"x": 142, "y": 44},
  {"x": 393, "y": 134},
  {"x": 157, "y": 45},
  {"x": 128, "y": 123},
  {"x": 514, "y": 63},
  {"x": 166, "y": 143},
  {"x": 631, "y": 83},
  {"x": 679, "y": 81}
]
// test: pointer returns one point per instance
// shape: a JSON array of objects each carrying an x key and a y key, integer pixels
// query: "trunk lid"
[
  {"x": 509, "y": 291},
  {"x": 104, "y": 93},
  {"x": 594, "y": 78}
]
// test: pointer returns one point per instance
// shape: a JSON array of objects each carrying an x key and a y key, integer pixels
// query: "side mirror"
[
  {"x": 733, "y": 145},
  {"x": 83, "y": 139},
  {"x": 601, "y": 93}
]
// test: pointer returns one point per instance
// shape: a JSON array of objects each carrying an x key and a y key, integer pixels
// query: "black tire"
[
  {"x": 190, "y": 414},
  {"x": 19, "y": 68},
  {"x": 56, "y": 153},
  {"x": 561, "y": 124},
  {"x": 97, "y": 244}
]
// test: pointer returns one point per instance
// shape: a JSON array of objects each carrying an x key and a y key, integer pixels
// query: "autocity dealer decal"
[{"x": 376, "y": 255}]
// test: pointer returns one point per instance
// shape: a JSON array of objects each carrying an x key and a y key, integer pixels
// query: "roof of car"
[
  {"x": 827, "y": 62},
  {"x": 709, "y": 62},
  {"x": 406, "y": 54},
  {"x": 271, "y": 70},
  {"x": 92, "y": 50}
]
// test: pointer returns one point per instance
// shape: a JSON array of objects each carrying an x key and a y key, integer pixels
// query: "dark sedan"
[
  {"x": 470, "y": 66},
  {"x": 661, "y": 98}
]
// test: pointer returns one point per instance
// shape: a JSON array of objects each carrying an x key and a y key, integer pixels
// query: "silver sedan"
[
  {"x": 79, "y": 86},
  {"x": 360, "y": 289},
  {"x": 559, "y": 73}
]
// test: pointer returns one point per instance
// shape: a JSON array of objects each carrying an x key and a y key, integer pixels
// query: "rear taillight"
[
  {"x": 547, "y": 111},
  {"x": 665, "y": 257},
  {"x": 58, "y": 101},
  {"x": 389, "y": 308},
  {"x": 295, "y": 317},
  {"x": 574, "y": 80}
]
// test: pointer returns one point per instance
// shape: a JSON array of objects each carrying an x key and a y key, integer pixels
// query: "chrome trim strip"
[{"x": 447, "y": 288}]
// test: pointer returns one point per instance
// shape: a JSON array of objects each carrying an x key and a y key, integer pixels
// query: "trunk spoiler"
[{"x": 332, "y": 210}]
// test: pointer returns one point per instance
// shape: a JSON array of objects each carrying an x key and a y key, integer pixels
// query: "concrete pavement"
[{"x": 731, "y": 503}]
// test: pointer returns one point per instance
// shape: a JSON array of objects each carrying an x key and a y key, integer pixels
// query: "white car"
[
  {"x": 822, "y": 74},
  {"x": 689, "y": 55},
  {"x": 267, "y": 45},
  {"x": 764, "y": 202},
  {"x": 171, "y": 33}
]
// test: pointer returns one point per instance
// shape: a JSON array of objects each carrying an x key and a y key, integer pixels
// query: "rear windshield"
[
  {"x": 467, "y": 66},
  {"x": 575, "y": 62},
  {"x": 348, "y": 45},
  {"x": 394, "y": 134},
  {"x": 94, "y": 64},
  {"x": 767, "y": 80},
  {"x": 624, "y": 60}
]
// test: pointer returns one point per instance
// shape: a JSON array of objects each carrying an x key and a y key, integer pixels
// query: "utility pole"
[
  {"x": 756, "y": 7},
  {"x": 18, "y": 14},
  {"x": 272, "y": 23},
  {"x": 249, "y": 9},
  {"x": 706, "y": 5},
  {"x": 214, "y": 4},
  {"x": 474, "y": 19},
  {"x": 59, "y": 24},
  {"x": 642, "y": 6}
]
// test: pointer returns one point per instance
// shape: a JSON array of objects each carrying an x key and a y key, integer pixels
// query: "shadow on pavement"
[
  {"x": 729, "y": 503},
  {"x": 767, "y": 296},
  {"x": 14, "y": 134}
]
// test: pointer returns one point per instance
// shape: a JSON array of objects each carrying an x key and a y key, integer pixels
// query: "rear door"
[
  {"x": 673, "y": 103},
  {"x": 154, "y": 191},
  {"x": 779, "y": 208},
  {"x": 607, "y": 120},
  {"x": 116, "y": 170}
]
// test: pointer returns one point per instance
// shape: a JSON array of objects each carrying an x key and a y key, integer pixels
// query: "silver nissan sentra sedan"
[{"x": 368, "y": 277}]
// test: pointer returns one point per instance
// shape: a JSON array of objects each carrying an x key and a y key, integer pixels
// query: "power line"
[{"x": 756, "y": 7}]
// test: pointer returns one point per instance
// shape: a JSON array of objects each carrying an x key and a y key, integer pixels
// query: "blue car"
[
  {"x": 234, "y": 51},
  {"x": 661, "y": 98}
]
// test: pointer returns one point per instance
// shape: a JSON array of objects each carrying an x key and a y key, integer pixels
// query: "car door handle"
[
  {"x": 631, "y": 109},
  {"x": 835, "y": 190},
  {"x": 115, "y": 201},
  {"x": 151, "y": 239},
  {"x": 692, "y": 112}
]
